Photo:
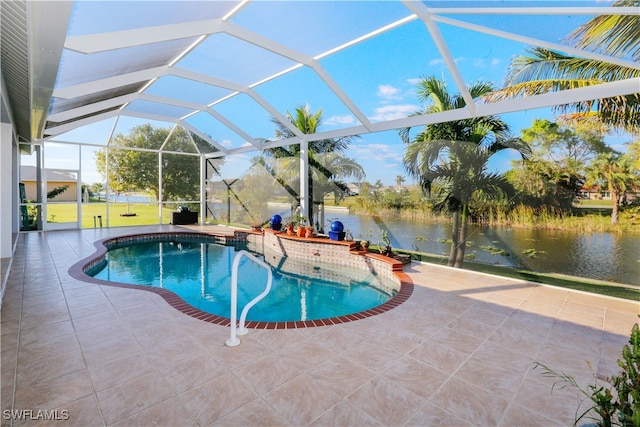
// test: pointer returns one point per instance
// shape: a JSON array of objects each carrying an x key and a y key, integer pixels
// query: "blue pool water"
[{"x": 200, "y": 272}]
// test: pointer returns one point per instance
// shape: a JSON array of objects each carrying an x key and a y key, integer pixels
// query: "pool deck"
[{"x": 458, "y": 352}]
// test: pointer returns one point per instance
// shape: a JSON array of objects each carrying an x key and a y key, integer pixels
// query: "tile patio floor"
[{"x": 458, "y": 352}]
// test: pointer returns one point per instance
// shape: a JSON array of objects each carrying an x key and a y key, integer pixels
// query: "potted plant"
[
  {"x": 301, "y": 220},
  {"x": 385, "y": 248},
  {"x": 309, "y": 232},
  {"x": 289, "y": 228}
]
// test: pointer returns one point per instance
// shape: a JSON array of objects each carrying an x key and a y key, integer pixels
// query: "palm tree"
[
  {"x": 327, "y": 163},
  {"x": 542, "y": 70},
  {"x": 455, "y": 154},
  {"x": 617, "y": 173},
  {"x": 399, "y": 180}
]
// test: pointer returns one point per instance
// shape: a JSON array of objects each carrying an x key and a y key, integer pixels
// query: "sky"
[{"x": 379, "y": 75}]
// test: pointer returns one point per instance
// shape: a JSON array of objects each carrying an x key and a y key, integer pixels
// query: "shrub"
[{"x": 618, "y": 405}]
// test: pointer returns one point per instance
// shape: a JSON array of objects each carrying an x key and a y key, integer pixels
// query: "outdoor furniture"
[{"x": 184, "y": 218}]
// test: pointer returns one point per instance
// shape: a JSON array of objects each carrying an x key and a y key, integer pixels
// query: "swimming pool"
[{"x": 198, "y": 270}]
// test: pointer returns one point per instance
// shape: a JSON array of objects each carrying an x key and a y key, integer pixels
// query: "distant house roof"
[{"x": 28, "y": 173}]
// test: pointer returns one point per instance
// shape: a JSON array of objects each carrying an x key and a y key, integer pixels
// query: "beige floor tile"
[
  {"x": 132, "y": 396},
  {"x": 463, "y": 341},
  {"x": 43, "y": 317},
  {"x": 581, "y": 365},
  {"x": 33, "y": 371},
  {"x": 386, "y": 401},
  {"x": 372, "y": 355},
  {"x": 419, "y": 377},
  {"x": 93, "y": 320},
  {"x": 47, "y": 346},
  {"x": 478, "y": 314},
  {"x": 433, "y": 415},
  {"x": 344, "y": 414},
  {"x": 341, "y": 375},
  {"x": 301, "y": 400},
  {"x": 104, "y": 351},
  {"x": 161, "y": 331},
  {"x": 336, "y": 338},
  {"x": 247, "y": 351},
  {"x": 173, "y": 350},
  {"x": 491, "y": 353},
  {"x": 471, "y": 403},
  {"x": 439, "y": 356},
  {"x": 266, "y": 373},
  {"x": 191, "y": 372},
  {"x": 519, "y": 336},
  {"x": 167, "y": 413},
  {"x": 83, "y": 412},
  {"x": 559, "y": 405},
  {"x": 305, "y": 355},
  {"x": 53, "y": 392},
  {"x": 91, "y": 309},
  {"x": 520, "y": 416},
  {"x": 122, "y": 369},
  {"x": 254, "y": 413},
  {"x": 216, "y": 398},
  {"x": 493, "y": 377}
]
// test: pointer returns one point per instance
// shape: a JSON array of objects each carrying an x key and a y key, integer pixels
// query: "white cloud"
[
  {"x": 226, "y": 143},
  {"x": 391, "y": 112},
  {"x": 380, "y": 152},
  {"x": 388, "y": 91},
  {"x": 414, "y": 81},
  {"x": 440, "y": 61},
  {"x": 345, "y": 119}
]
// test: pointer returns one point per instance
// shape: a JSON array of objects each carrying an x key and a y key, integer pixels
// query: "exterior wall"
[
  {"x": 67, "y": 196},
  {"x": 7, "y": 207}
]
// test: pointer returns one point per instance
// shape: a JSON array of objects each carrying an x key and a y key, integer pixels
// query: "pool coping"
[{"x": 77, "y": 271}]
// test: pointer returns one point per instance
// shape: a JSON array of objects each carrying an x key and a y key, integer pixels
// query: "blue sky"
[{"x": 379, "y": 75}]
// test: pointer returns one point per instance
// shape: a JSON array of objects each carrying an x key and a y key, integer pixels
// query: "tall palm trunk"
[
  {"x": 455, "y": 238},
  {"x": 462, "y": 242},
  {"x": 615, "y": 196}
]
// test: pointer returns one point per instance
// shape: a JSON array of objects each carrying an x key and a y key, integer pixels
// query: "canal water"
[{"x": 602, "y": 256}]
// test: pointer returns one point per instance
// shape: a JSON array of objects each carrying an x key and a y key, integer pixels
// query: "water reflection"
[{"x": 602, "y": 256}]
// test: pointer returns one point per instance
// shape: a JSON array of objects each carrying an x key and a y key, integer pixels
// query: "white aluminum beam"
[
  {"x": 426, "y": 16},
  {"x": 573, "y": 10},
  {"x": 109, "y": 83},
  {"x": 46, "y": 28},
  {"x": 91, "y": 108},
  {"x": 204, "y": 136},
  {"x": 537, "y": 42},
  {"x": 94, "y": 43}
]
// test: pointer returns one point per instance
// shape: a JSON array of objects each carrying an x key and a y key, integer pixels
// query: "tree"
[
  {"x": 133, "y": 167},
  {"x": 455, "y": 155},
  {"x": 327, "y": 163},
  {"x": 399, "y": 180},
  {"x": 542, "y": 70},
  {"x": 555, "y": 173},
  {"x": 617, "y": 173}
]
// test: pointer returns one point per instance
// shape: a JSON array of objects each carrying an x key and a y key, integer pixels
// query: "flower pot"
[{"x": 302, "y": 231}]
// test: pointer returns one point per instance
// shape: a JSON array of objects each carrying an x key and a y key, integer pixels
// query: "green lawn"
[{"x": 146, "y": 213}]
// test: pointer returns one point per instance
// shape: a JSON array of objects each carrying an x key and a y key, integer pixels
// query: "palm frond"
[{"x": 615, "y": 35}]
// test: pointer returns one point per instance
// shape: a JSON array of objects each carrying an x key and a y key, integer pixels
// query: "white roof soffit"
[{"x": 70, "y": 119}]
